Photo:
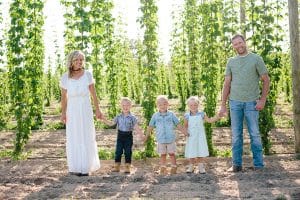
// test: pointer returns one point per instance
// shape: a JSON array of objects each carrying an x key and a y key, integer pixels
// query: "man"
[{"x": 241, "y": 85}]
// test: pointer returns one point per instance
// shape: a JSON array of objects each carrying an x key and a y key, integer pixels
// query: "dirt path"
[{"x": 44, "y": 175}]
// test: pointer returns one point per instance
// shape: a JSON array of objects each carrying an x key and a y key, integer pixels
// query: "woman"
[{"x": 76, "y": 87}]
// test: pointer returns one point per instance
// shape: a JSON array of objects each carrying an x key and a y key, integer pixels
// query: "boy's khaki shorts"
[{"x": 166, "y": 148}]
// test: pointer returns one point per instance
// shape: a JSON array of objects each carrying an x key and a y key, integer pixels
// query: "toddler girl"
[{"x": 196, "y": 146}]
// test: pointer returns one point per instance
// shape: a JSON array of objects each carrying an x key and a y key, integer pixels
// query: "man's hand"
[
  {"x": 260, "y": 104},
  {"x": 222, "y": 111}
]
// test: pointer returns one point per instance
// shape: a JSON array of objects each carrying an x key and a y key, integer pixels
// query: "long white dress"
[
  {"x": 196, "y": 145},
  {"x": 81, "y": 146}
]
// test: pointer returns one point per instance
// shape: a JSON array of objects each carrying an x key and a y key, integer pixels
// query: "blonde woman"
[{"x": 77, "y": 85}]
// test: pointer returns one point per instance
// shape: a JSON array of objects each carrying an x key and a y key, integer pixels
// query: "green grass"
[
  {"x": 223, "y": 153},
  {"x": 9, "y": 154},
  {"x": 105, "y": 154},
  {"x": 55, "y": 125}
]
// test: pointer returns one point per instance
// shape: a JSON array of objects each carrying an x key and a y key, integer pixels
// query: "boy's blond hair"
[
  {"x": 162, "y": 97},
  {"x": 193, "y": 98},
  {"x": 125, "y": 99}
]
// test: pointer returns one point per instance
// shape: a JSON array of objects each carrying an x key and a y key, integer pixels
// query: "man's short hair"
[{"x": 238, "y": 36}]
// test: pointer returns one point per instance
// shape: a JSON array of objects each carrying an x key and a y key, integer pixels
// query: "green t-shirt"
[{"x": 245, "y": 72}]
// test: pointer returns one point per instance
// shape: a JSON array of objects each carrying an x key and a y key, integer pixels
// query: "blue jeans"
[
  {"x": 239, "y": 111},
  {"x": 124, "y": 144}
]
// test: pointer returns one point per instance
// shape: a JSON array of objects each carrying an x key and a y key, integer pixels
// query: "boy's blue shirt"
[
  {"x": 125, "y": 123},
  {"x": 164, "y": 124}
]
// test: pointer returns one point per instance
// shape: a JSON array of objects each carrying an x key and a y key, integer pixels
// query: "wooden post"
[{"x": 295, "y": 58}]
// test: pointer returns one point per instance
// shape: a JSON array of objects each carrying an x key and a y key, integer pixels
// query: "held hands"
[
  {"x": 186, "y": 134},
  {"x": 99, "y": 115},
  {"x": 141, "y": 137},
  {"x": 222, "y": 111},
  {"x": 145, "y": 138}
]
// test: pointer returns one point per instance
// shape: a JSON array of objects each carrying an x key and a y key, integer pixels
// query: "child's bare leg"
[
  {"x": 201, "y": 160},
  {"x": 173, "y": 163},
  {"x": 163, "y": 159},
  {"x": 173, "y": 159}
]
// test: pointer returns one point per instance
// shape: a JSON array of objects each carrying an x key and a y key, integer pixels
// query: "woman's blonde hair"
[
  {"x": 72, "y": 56},
  {"x": 193, "y": 98}
]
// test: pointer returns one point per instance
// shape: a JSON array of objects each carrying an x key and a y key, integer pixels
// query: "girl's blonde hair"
[
  {"x": 72, "y": 56},
  {"x": 127, "y": 99},
  {"x": 193, "y": 98},
  {"x": 161, "y": 97}
]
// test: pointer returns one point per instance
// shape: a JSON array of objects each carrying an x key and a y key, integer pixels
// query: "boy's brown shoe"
[
  {"x": 116, "y": 167},
  {"x": 163, "y": 170},
  {"x": 127, "y": 168},
  {"x": 173, "y": 169}
]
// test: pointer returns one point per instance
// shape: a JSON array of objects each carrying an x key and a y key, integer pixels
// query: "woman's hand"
[
  {"x": 99, "y": 115},
  {"x": 63, "y": 118}
]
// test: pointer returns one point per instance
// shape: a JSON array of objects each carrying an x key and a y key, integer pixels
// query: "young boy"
[
  {"x": 126, "y": 124},
  {"x": 164, "y": 122}
]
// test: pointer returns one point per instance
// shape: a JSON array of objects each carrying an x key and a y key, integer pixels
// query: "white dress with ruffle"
[
  {"x": 81, "y": 145},
  {"x": 196, "y": 145}
]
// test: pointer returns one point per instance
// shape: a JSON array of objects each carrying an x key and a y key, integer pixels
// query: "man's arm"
[
  {"x": 225, "y": 94},
  {"x": 265, "y": 91}
]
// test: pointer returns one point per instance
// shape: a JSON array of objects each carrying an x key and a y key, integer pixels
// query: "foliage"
[
  {"x": 48, "y": 88},
  {"x": 69, "y": 34},
  {"x": 162, "y": 79},
  {"x": 59, "y": 70},
  {"x": 179, "y": 60},
  {"x": 5, "y": 154},
  {"x": 149, "y": 22},
  {"x": 17, "y": 75},
  {"x": 138, "y": 71},
  {"x": 52, "y": 126},
  {"x": 110, "y": 51},
  {"x": 97, "y": 40},
  {"x": 123, "y": 62},
  {"x": 2, "y": 40},
  {"x": 210, "y": 34},
  {"x": 191, "y": 22},
  {"x": 225, "y": 153},
  {"x": 4, "y": 100},
  {"x": 34, "y": 60},
  {"x": 78, "y": 26},
  {"x": 105, "y": 154},
  {"x": 82, "y": 26},
  {"x": 266, "y": 35},
  {"x": 285, "y": 82}
]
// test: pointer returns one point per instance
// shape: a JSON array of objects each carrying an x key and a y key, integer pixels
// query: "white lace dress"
[
  {"x": 196, "y": 145},
  {"x": 81, "y": 146}
]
